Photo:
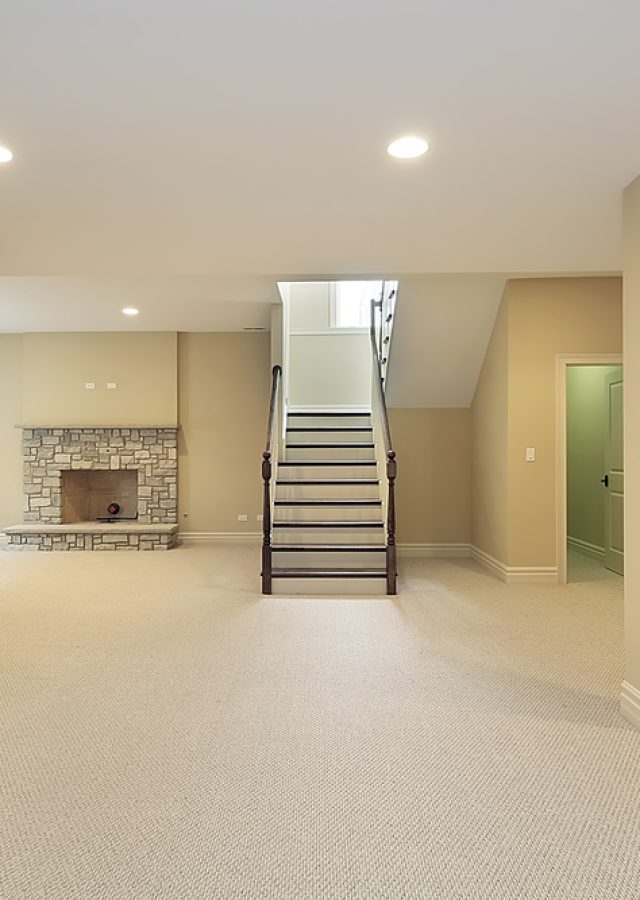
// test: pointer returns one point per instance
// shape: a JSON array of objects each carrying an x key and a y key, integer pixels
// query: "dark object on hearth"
[{"x": 113, "y": 509}]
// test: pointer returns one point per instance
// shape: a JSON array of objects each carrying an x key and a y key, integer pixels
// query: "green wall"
[{"x": 586, "y": 431}]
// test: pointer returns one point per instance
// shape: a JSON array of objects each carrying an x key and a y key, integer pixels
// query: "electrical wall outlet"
[
  {"x": 243, "y": 518},
  {"x": 111, "y": 385},
  {"x": 89, "y": 385},
  {"x": 259, "y": 517}
]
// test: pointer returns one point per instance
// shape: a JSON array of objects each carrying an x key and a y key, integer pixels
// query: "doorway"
[{"x": 590, "y": 469}]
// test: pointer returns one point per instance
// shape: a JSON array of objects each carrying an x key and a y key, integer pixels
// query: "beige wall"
[
  {"x": 433, "y": 448},
  {"x": 224, "y": 382},
  {"x": 489, "y": 445},
  {"x": 632, "y": 430},
  {"x": 587, "y": 409},
  {"x": 142, "y": 364},
  {"x": 547, "y": 316},
  {"x": 10, "y": 436},
  {"x": 513, "y": 502}
]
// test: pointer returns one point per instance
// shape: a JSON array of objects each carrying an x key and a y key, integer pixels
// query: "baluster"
[
  {"x": 391, "y": 523},
  {"x": 266, "y": 523}
]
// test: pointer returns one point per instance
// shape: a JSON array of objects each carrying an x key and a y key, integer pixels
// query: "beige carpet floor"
[{"x": 168, "y": 733}]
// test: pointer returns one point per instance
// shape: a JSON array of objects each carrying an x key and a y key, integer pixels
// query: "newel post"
[
  {"x": 391, "y": 524},
  {"x": 266, "y": 523}
]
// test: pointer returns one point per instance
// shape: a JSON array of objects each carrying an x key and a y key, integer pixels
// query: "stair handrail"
[
  {"x": 267, "y": 474},
  {"x": 390, "y": 455}
]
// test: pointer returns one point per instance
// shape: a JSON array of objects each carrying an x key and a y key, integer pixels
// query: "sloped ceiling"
[{"x": 441, "y": 333}]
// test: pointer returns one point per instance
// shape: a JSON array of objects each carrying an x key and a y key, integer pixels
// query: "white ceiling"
[
  {"x": 248, "y": 137},
  {"x": 441, "y": 332},
  {"x": 166, "y": 304}
]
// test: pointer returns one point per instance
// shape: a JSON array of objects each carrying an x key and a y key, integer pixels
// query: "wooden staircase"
[
  {"x": 328, "y": 530},
  {"x": 329, "y": 518}
]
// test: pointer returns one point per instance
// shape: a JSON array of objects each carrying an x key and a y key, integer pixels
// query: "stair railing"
[
  {"x": 386, "y": 455},
  {"x": 268, "y": 477}
]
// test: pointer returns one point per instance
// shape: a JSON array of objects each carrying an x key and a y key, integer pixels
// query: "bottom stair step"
[
  {"x": 328, "y": 556},
  {"x": 329, "y": 573}
]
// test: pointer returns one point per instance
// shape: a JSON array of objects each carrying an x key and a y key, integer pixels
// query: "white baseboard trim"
[
  {"x": 515, "y": 574},
  {"x": 433, "y": 551},
  {"x": 630, "y": 703},
  {"x": 220, "y": 537},
  {"x": 585, "y": 547}
]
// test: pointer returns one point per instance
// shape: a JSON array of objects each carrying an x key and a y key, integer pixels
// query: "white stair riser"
[
  {"x": 328, "y": 513},
  {"x": 328, "y": 560},
  {"x": 332, "y": 588},
  {"x": 329, "y": 453},
  {"x": 327, "y": 491},
  {"x": 346, "y": 471},
  {"x": 325, "y": 421},
  {"x": 317, "y": 437},
  {"x": 328, "y": 535}
]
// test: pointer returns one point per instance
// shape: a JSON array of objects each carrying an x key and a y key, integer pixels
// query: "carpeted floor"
[{"x": 168, "y": 733}]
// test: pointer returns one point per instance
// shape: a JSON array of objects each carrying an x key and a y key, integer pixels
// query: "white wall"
[
  {"x": 310, "y": 305},
  {"x": 327, "y": 366},
  {"x": 330, "y": 369}
]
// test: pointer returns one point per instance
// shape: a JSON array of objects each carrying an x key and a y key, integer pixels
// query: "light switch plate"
[{"x": 531, "y": 454}]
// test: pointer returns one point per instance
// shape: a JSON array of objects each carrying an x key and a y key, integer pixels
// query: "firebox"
[{"x": 90, "y": 495}]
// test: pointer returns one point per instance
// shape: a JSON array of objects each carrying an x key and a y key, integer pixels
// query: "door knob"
[{"x": 605, "y": 481}]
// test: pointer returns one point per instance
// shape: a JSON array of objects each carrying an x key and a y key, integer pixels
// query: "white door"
[{"x": 614, "y": 478}]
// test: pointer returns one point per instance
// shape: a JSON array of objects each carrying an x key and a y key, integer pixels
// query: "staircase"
[
  {"x": 328, "y": 529},
  {"x": 329, "y": 519}
]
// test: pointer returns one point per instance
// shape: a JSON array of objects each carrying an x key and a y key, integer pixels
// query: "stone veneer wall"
[{"x": 153, "y": 452}]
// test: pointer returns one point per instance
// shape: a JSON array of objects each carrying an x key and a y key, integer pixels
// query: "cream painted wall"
[
  {"x": 587, "y": 410},
  {"x": 57, "y": 366},
  {"x": 10, "y": 436},
  {"x": 489, "y": 431},
  {"x": 433, "y": 447},
  {"x": 546, "y": 316},
  {"x": 224, "y": 382},
  {"x": 632, "y": 432}
]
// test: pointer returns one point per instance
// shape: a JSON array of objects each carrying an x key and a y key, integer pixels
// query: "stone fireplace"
[{"x": 72, "y": 475}]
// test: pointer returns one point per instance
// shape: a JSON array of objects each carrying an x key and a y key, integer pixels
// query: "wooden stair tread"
[
  {"x": 327, "y": 462},
  {"x": 329, "y": 548},
  {"x": 322, "y": 502},
  {"x": 339, "y": 429},
  {"x": 328, "y": 573},
  {"x": 333, "y": 445},
  {"x": 340, "y": 523},
  {"x": 330, "y": 481},
  {"x": 333, "y": 415}
]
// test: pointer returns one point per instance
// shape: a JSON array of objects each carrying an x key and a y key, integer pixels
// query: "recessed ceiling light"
[
  {"x": 5, "y": 155},
  {"x": 407, "y": 147},
  {"x": 130, "y": 311}
]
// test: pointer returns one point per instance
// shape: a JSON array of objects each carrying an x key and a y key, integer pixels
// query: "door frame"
[{"x": 563, "y": 361}]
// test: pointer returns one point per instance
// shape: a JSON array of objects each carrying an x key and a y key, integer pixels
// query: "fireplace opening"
[{"x": 90, "y": 495}]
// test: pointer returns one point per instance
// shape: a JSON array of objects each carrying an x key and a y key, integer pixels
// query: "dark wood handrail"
[
  {"x": 377, "y": 372},
  {"x": 392, "y": 466},
  {"x": 267, "y": 471}
]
